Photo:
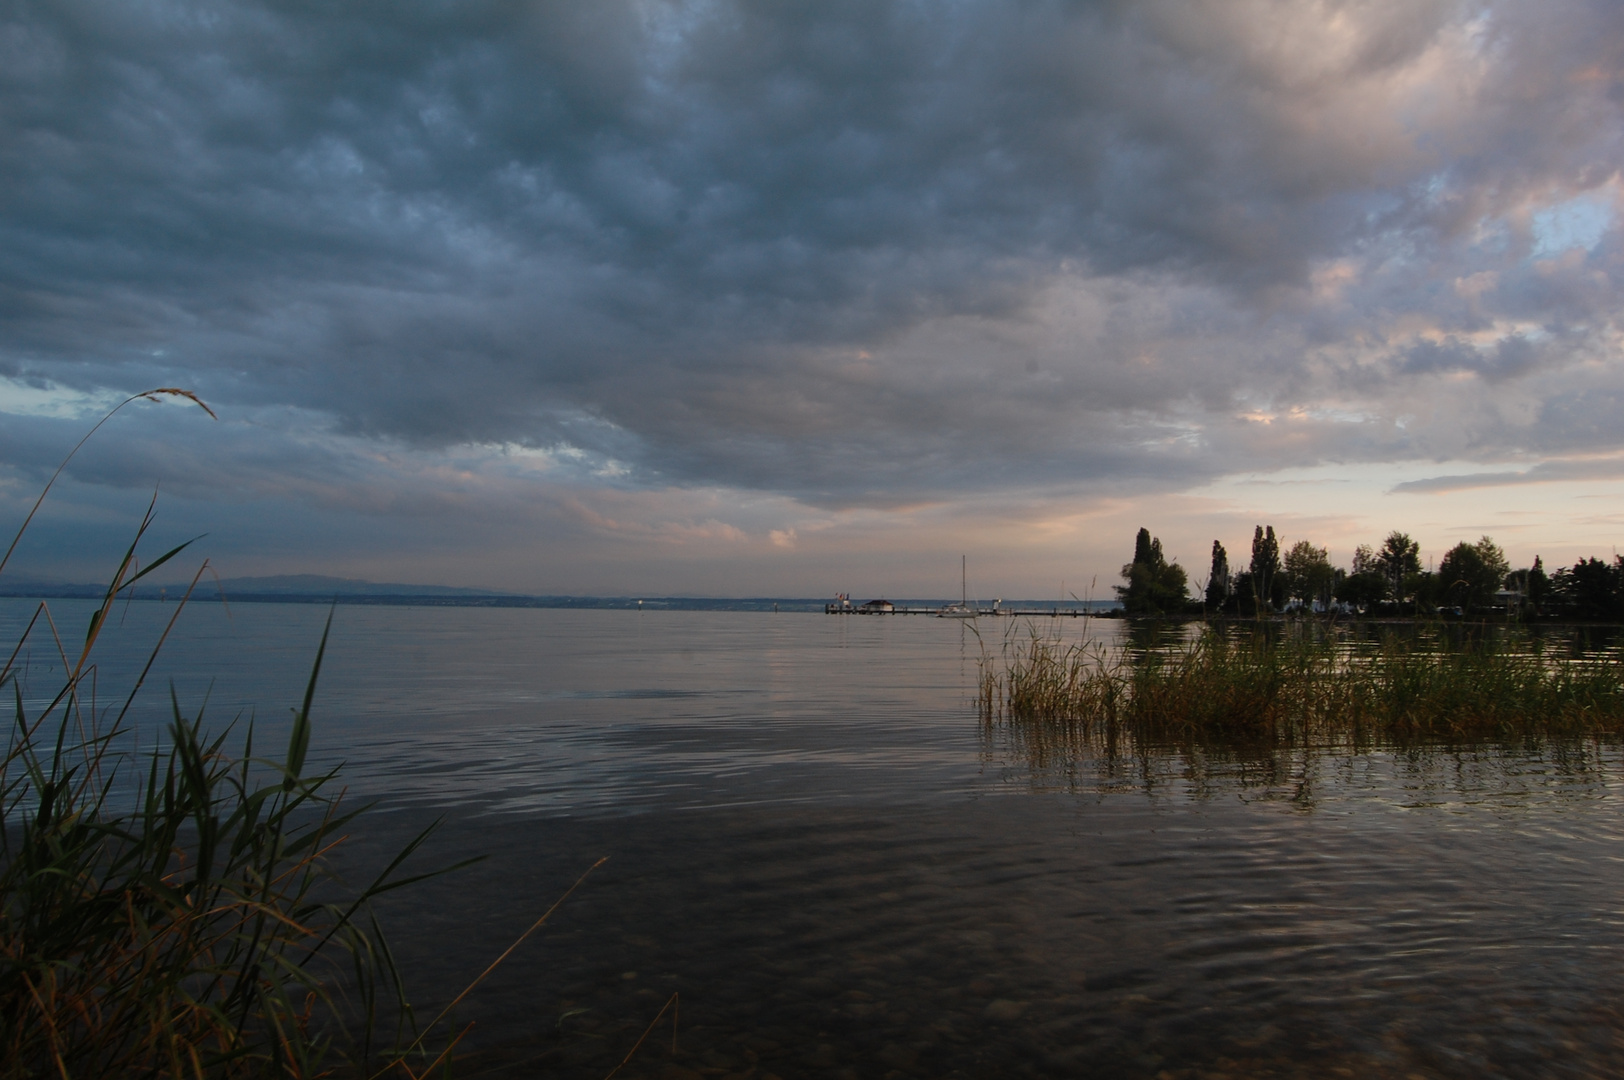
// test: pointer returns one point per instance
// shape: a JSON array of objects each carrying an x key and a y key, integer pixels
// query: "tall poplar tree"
[
  {"x": 1265, "y": 568},
  {"x": 1218, "y": 577}
]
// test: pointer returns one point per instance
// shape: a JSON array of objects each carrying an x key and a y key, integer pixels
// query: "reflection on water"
[
  {"x": 843, "y": 872},
  {"x": 1045, "y": 758},
  {"x": 1576, "y": 641}
]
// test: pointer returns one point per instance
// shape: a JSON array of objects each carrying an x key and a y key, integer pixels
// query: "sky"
[{"x": 751, "y": 299}]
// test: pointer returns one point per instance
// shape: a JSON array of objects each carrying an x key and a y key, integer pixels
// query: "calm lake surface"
[{"x": 816, "y": 844}]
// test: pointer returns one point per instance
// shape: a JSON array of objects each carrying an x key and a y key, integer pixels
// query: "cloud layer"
[{"x": 845, "y": 254}]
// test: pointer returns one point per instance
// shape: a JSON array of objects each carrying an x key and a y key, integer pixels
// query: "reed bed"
[
  {"x": 176, "y": 914},
  {"x": 184, "y": 922},
  {"x": 1298, "y": 689}
]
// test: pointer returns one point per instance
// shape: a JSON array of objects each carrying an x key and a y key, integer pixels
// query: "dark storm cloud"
[
  {"x": 1511, "y": 355},
  {"x": 791, "y": 246}
]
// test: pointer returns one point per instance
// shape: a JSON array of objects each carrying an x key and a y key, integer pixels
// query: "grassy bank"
[{"x": 1303, "y": 687}]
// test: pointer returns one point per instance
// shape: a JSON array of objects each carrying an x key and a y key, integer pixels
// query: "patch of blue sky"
[
  {"x": 567, "y": 462},
  {"x": 20, "y": 397},
  {"x": 1577, "y": 223}
]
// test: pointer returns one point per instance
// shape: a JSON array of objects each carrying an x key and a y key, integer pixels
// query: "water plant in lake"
[
  {"x": 1304, "y": 687},
  {"x": 175, "y": 914}
]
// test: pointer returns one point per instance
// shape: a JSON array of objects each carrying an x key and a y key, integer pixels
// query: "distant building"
[{"x": 877, "y": 607}]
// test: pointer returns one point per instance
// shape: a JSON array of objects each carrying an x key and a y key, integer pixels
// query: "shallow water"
[{"x": 815, "y": 843}]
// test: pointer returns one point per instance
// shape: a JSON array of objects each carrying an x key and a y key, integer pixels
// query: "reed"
[
  {"x": 1300, "y": 688},
  {"x": 190, "y": 927},
  {"x": 176, "y": 913}
]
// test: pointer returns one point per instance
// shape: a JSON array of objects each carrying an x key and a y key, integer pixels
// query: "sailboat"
[{"x": 962, "y": 609}]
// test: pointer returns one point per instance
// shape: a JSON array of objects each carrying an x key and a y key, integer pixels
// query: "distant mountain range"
[
  {"x": 321, "y": 585},
  {"x": 323, "y": 589},
  {"x": 280, "y": 585}
]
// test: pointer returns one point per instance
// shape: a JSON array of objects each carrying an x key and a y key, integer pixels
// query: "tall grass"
[
  {"x": 1299, "y": 689},
  {"x": 176, "y": 914}
]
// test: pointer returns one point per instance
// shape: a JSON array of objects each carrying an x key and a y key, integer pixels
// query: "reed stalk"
[
  {"x": 176, "y": 914},
  {"x": 1300, "y": 689}
]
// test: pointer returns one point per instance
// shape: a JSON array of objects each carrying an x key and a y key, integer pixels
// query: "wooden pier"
[{"x": 994, "y": 612}]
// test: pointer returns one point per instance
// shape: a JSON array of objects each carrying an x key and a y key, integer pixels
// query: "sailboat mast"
[{"x": 964, "y": 581}]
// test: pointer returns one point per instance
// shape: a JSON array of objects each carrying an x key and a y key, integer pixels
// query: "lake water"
[{"x": 815, "y": 843}]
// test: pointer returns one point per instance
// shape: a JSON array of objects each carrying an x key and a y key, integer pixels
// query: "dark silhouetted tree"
[
  {"x": 1154, "y": 586},
  {"x": 1399, "y": 557},
  {"x": 1461, "y": 579},
  {"x": 1218, "y": 578},
  {"x": 1532, "y": 583},
  {"x": 1364, "y": 560},
  {"x": 1538, "y": 588},
  {"x": 1494, "y": 561},
  {"x": 1362, "y": 589},
  {"x": 1470, "y": 574},
  {"x": 1146, "y": 548},
  {"x": 1265, "y": 567},
  {"x": 1591, "y": 588},
  {"x": 1306, "y": 573},
  {"x": 1365, "y": 584}
]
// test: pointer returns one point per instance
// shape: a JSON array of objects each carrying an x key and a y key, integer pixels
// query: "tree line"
[{"x": 1470, "y": 579}]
